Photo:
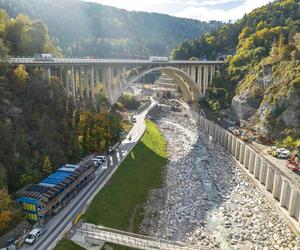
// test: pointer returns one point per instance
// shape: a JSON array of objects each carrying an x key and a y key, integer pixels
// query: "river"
[{"x": 207, "y": 200}]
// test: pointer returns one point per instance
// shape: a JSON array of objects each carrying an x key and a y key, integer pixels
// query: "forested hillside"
[
  {"x": 40, "y": 129},
  {"x": 90, "y": 29},
  {"x": 260, "y": 80}
]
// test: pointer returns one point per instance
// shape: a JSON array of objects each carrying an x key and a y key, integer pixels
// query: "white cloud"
[
  {"x": 207, "y": 2},
  {"x": 204, "y": 10},
  {"x": 206, "y": 14}
]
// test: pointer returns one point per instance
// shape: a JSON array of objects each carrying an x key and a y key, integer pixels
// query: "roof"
[
  {"x": 52, "y": 185},
  {"x": 55, "y": 178},
  {"x": 34, "y": 231},
  {"x": 69, "y": 168},
  {"x": 28, "y": 200}
]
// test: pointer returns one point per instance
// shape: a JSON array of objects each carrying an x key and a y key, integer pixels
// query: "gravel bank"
[{"x": 207, "y": 200}]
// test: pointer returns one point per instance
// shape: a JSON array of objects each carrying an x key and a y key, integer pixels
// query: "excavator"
[{"x": 293, "y": 162}]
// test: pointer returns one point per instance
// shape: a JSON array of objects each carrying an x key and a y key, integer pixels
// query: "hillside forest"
[
  {"x": 40, "y": 129},
  {"x": 259, "y": 83},
  {"x": 83, "y": 29}
]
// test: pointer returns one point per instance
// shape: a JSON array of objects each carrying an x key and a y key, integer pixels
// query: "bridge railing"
[
  {"x": 94, "y": 232},
  {"x": 36, "y": 61},
  {"x": 88, "y": 226}
]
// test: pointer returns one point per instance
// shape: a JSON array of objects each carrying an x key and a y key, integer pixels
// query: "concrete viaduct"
[{"x": 84, "y": 78}]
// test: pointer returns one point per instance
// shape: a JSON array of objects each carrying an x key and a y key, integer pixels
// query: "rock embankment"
[{"x": 207, "y": 200}]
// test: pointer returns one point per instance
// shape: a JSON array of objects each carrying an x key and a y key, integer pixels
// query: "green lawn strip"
[
  {"x": 65, "y": 244},
  {"x": 140, "y": 172}
]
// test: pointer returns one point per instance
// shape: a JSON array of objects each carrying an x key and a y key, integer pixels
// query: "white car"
[
  {"x": 283, "y": 153},
  {"x": 34, "y": 235},
  {"x": 100, "y": 157},
  {"x": 104, "y": 166}
]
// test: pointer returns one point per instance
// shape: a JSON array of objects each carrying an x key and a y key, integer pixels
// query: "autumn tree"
[
  {"x": 47, "y": 166},
  {"x": 5, "y": 210}
]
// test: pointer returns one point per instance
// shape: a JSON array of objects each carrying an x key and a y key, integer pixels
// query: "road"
[
  {"x": 83, "y": 61},
  {"x": 62, "y": 222},
  {"x": 279, "y": 164}
]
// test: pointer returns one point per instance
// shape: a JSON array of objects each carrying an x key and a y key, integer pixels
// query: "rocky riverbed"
[{"x": 207, "y": 200}]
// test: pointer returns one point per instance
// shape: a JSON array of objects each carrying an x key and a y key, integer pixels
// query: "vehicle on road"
[
  {"x": 35, "y": 234},
  {"x": 104, "y": 166},
  {"x": 43, "y": 57},
  {"x": 281, "y": 153},
  {"x": 111, "y": 150},
  {"x": 100, "y": 157},
  {"x": 159, "y": 59},
  {"x": 133, "y": 119},
  {"x": 234, "y": 131},
  {"x": 99, "y": 160},
  {"x": 293, "y": 162}
]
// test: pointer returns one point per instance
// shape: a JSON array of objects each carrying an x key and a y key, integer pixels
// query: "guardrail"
[{"x": 54, "y": 61}]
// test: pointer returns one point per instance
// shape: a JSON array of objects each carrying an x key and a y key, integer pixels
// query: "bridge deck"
[
  {"x": 81, "y": 61},
  {"x": 96, "y": 234}
]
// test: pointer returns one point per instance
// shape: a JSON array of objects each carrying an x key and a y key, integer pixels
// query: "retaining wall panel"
[
  {"x": 270, "y": 179},
  {"x": 263, "y": 172}
]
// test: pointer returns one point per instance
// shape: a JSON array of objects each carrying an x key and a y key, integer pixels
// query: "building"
[
  {"x": 41, "y": 201},
  {"x": 164, "y": 87}
]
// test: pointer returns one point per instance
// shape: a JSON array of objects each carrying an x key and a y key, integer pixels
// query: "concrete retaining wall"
[{"x": 282, "y": 193}]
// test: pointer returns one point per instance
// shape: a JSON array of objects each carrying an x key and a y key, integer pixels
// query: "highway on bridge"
[
  {"x": 82, "y": 61},
  {"x": 62, "y": 222}
]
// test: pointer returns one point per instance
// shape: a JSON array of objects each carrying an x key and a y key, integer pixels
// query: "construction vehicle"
[
  {"x": 273, "y": 151},
  {"x": 293, "y": 162}
]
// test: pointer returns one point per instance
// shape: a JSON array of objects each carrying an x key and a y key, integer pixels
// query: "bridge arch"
[{"x": 183, "y": 81}]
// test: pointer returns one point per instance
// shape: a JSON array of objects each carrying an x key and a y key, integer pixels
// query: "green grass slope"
[{"x": 127, "y": 190}]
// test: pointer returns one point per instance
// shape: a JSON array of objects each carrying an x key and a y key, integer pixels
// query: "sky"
[{"x": 204, "y": 10}]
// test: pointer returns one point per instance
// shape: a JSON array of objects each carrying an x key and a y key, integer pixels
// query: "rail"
[{"x": 60, "y": 61}]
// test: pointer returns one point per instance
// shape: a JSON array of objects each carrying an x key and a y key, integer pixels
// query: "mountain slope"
[
  {"x": 84, "y": 28},
  {"x": 260, "y": 80}
]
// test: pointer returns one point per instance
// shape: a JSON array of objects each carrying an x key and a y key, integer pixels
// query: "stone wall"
[{"x": 283, "y": 194}]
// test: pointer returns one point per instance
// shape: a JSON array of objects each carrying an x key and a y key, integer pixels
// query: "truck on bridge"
[
  {"x": 159, "y": 59},
  {"x": 43, "y": 57}
]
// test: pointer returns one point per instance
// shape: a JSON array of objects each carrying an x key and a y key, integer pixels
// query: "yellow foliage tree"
[
  {"x": 5, "y": 219},
  {"x": 47, "y": 166},
  {"x": 20, "y": 74}
]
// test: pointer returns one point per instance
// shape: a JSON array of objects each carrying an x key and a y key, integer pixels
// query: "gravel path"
[{"x": 207, "y": 200}]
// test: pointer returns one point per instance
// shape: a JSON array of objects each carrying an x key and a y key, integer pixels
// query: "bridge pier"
[
  {"x": 86, "y": 81},
  {"x": 97, "y": 83},
  {"x": 205, "y": 81},
  {"x": 199, "y": 80},
  {"x": 67, "y": 84},
  {"x": 80, "y": 83},
  {"x": 49, "y": 74},
  {"x": 108, "y": 82},
  {"x": 92, "y": 70},
  {"x": 73, "y": 87},
  {"x": 212, "y": 73}
]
